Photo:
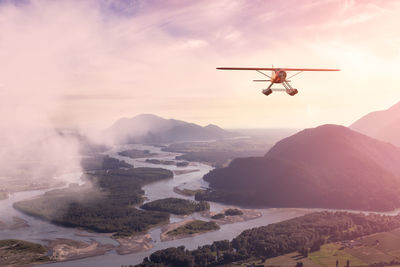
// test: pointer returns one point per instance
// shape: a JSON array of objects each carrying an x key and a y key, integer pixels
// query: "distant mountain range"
[
  {"x": 151, "y": 129},
  {"x": 329, "y": 166},
  {"x": 383, "y": 125}
]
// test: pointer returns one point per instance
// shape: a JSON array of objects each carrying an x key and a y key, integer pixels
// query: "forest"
[
  {"x": 101, "y": 162},
  {"x": 218, "y": 153},
  {"x": 136, "y": 153},
  {"x": 176, "y": 206},
  {"x": 304, "y": 234},
  {"x": 233, "y": 212},
  {"x": 168, "y": 162}
]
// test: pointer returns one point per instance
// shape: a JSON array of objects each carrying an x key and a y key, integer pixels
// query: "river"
[{"x": 40, "y": 231}]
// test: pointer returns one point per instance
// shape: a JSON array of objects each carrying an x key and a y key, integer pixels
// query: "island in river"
[
  {"x": 168, "y": 162},
  {"x": 136, "y": 153},
  {"x": 193, "y": 227},
  {"x": 176, "y": 206},
  {"x": 104, "y": 204},
  {"x": 102, "y": 162}
]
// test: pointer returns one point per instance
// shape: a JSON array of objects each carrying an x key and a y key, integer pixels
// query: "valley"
[
  {"x": 172, "y": 133},
  {"x": 153, "y": 209},
  {"x": 142, "y": 244}
]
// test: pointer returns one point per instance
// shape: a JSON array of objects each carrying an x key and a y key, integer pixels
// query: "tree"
[{"x": 304, "y": 252}]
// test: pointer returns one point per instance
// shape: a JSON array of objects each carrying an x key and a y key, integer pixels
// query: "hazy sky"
[{"x": 88, "y": 63}]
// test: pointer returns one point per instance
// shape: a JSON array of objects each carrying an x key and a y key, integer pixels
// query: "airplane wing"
[
  {"x": 297, "y": 69},
  {"x": 285, "y": 69}
]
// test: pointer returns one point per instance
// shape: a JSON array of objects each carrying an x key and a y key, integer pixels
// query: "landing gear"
[
  {"x": 289, "y": 89},
  {"x": 291, "y": 92},
  {"x": 268, "y": 90}
]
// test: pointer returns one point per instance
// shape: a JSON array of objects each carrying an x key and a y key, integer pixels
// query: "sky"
[{"x": 88, "y": 63}]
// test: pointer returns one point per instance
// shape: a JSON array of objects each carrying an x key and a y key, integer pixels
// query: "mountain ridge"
[
  {"x": 149, "y": 128},
  {"x": 383, "y": 124},
  {"x": 329, "y": 166}
]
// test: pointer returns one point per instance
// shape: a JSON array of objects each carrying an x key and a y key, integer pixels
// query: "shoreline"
[
  {"x": 67, "y": 249},
  {"x": 134, "y": 244},
  {"x": 165, "y": 230}
]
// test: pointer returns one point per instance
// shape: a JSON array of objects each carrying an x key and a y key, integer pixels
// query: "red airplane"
[{"x": 278, "y": 75}]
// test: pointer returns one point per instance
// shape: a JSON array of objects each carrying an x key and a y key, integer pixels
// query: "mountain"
[
  {"x": 148, "y": 128},
  {"x": 383, "y": 125},
  {"x": 329, "y": 166}
]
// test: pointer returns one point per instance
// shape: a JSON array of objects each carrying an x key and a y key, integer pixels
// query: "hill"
[
  {"x": 383, "y": 125},
  {"x": 329, "y": 166},
  {"x": 150, "y": 129}
]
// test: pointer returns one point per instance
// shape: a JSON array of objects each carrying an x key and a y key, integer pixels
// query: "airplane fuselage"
[{"x": 278, "y": 76}]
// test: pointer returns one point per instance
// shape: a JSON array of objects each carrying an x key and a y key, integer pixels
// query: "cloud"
[
  {"x": 192, "y": 44},
  {"x": 92, "y": 62},
  {"x": 75, "y": 97},
  {"x": 32, "y": 83}
]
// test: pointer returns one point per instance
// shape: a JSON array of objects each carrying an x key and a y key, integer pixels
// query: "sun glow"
[{"x": 160, "y": 59}]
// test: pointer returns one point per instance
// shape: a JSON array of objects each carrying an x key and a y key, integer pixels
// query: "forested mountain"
[
  {"x": 148, "y": 128},
  {"x": 383, "y": 125},
  {"x": 329, "y": 166}
]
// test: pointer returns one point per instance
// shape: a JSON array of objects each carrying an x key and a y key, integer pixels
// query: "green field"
[
  {"x": 380, "y": 247},
  {"x": 329, "y": 253},
  {"x": 290, "y": 260},
  {"x": 327, "y": 256}
]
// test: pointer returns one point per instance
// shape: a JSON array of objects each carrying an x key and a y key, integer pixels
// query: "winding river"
[{"x": 40, "y": 231}]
